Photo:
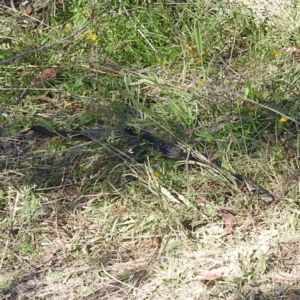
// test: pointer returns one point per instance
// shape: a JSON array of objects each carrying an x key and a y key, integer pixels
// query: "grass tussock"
[{"x": 112, "y": 218}]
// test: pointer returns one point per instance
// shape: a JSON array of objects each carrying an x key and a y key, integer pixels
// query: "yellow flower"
[
  {"x": 202, "y": 81},
  {"x": 199, "y": 61},
  {"x": 157, "y": 174},
  {"x": 91, "y": 36},
  {"x": 283, "y": 119},
  {"x": 275, "y": 53}
]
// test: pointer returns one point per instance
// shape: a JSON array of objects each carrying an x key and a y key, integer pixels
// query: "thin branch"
[
  {"x": 117, "y": 280},
  {"x": 12, "y": 5},
  {"x": 3, "y": 254},
  {"x": 76, "y": 32}
]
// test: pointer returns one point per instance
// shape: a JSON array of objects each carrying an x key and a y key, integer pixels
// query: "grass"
[{"x": 112, "y": 218}]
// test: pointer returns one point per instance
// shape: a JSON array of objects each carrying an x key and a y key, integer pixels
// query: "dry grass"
[
  {"x": 279, "y": 12},
  {"x": 112, "y": 218}
]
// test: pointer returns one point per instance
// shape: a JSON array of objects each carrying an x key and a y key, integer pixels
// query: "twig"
[
  {"x": 57, "y": 229},
  {"x": 11, "y": 224},
  {"x": 12, "y": 5},
  {"x": 9, "y": 60},
  {"x": 3, "y": 255},
  {"x": 117, "y": 280}
]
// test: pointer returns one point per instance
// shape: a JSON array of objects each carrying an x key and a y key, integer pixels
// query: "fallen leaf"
[
  {"x": 74, "y": 107},
  {"x": 49, "y": 252},
  {"x": 293, "y": 50},
  {"x": 48, "y": 73},
  {"x": 210, "y": 276},
  {"x": 230, "y": 219},
  {"x": 156, "y": 242},
  {"x": 227, "y": 230},
  {"x": 28, "y": 10},
  {"x": 44, "y": 98}
]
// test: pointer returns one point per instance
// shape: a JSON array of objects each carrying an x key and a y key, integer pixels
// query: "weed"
[{"x": 113, "y": 218}]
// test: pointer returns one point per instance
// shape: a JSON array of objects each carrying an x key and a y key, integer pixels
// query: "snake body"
[{"x": 167, "y": 149}]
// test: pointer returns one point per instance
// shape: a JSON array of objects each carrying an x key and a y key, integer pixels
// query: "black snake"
[{"x": 167, "y": 149}]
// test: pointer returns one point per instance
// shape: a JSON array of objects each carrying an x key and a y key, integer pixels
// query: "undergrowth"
[{"x": 113, "y": 218}]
